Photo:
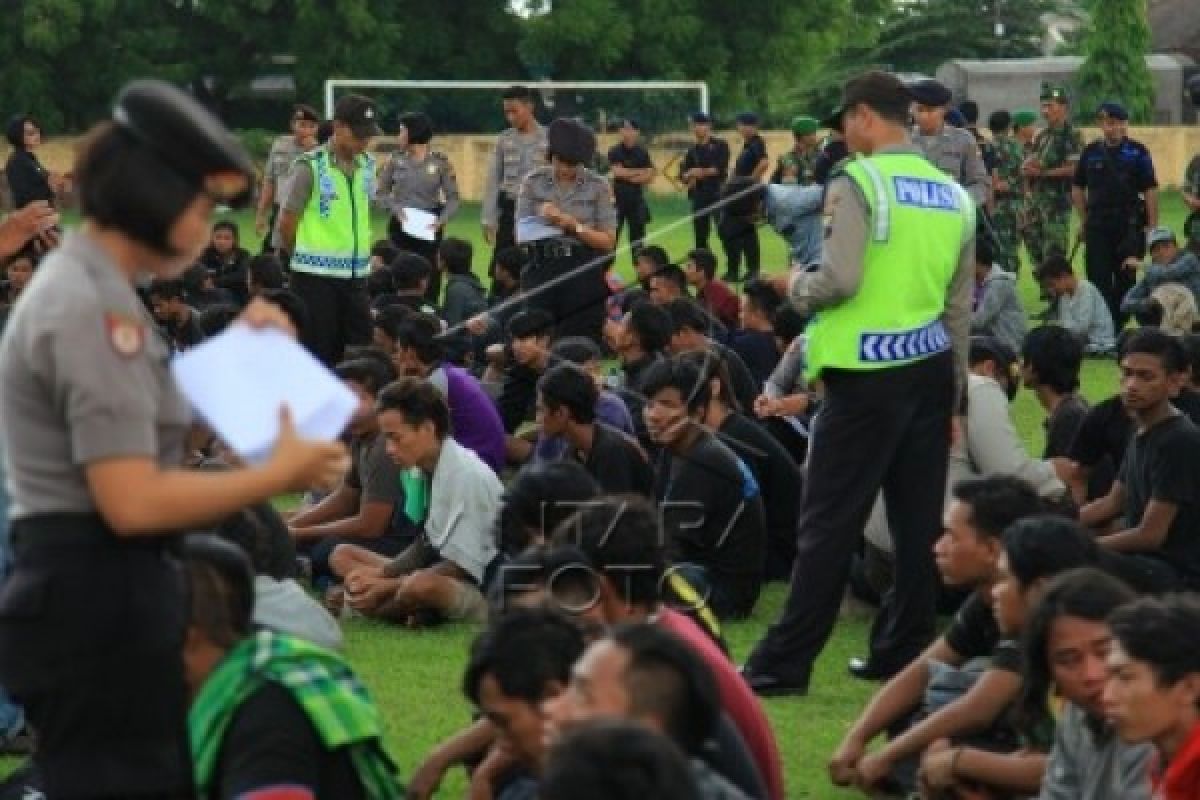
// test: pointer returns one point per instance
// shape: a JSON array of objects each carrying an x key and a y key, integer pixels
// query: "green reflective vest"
[
  {"x": 334, "y": 234},
  {"x": 918, "y": 221}
]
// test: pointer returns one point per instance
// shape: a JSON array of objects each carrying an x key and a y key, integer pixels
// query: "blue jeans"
[{"x": 11, "y": 717}]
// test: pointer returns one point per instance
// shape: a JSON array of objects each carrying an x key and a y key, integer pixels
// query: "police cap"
[
  {"x": 701, "y": 118},
  {"x": 358, "y": 114},
  {"x": 747, "y": 118},
  {"x": 571, "y": 141},
  {"x": 929, "y": 92},
  {"x": 1057, "y": 94},
  {"x": 187, "y": 137},
  {"x": 419, "y": 127},
  {"x": 1113, "y": 110},
  {"x": 804, "y": 125}
]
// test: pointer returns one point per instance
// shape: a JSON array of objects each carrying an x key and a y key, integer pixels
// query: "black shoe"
[
  {"x": 765, "y": 685},
  {"x": 866, "y": 670}
]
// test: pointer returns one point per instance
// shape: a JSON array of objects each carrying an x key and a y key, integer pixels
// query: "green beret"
[
  {"x": 804, "y": 125},
  {"x": 1056, "y": 93},
  {"x": 1024, "y": 117}
]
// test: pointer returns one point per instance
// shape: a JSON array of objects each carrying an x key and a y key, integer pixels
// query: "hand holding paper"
[{"x": 420, "y": 224}]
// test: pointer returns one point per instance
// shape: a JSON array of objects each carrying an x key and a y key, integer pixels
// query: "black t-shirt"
[
  {"x": 1063, "y": 425},
  {"x": 745, "y": 389},
  {"x": 272, "y": 744},
  {"x": 637, "y": 157},
  {"x": 833, "y": 154},
  {"x": 758, "y": 352},
  {"x": 753, "y": 152},
  {"x": 618, "y": 463},
  {"x": 777, "y": 474},
  {"x": 186, "y": 334},
  {"x": 1163, "y": 464},
  {"x": 713, "y": 516},
  {"x": 1114, "y": 176},
  {"x": 973, "y": 633},
  {"x": 714, "y": 154},
  {"x": 518, "y": 396}
]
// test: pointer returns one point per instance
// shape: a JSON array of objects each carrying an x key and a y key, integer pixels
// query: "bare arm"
[
  {"x": 469, "y": 744},
  {"x": 370, "y": 520},
  {"x": 340, "y": 503},
  {"x": 1103, "y": 509},
  {"x": 1148, "y": 535}
]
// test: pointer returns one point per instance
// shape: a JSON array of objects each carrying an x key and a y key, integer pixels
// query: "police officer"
[
  {"x": 1115, "y": 194},
  {"x": 889, "y": 343},
  {"x": 952, "y": 150},
  {"x": 326, "y": 226},
  {"x": 565, "y": 273},
  {"x": 632, "y": 170},
  {"x": 833, "y": 150},
  {"x": 520, "y": 149},
  {"x": 1008, "y": 187},
  {"x": 92, "y": 619},
  {"x": 284, "y": 152},
  {"x": 703, "y": 171},
  {"x": 1048, "y": 172},
  {"x": 421, "y": 178},
  {"x": 795, "y": 167}
]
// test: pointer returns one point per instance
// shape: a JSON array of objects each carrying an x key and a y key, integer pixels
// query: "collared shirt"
[
  {"x": 713, "y": 153},
  {"x": 428, "y": 184},
  {"x": 796, "y": 167},
  {"x": 754, "y": 151},
  {"x": 1052, "y": 148},
  {"x": 956, "y": 153},
  {"x": 1114, "y": 177},
  {"x": 588, "y": 198},
  {"x": 464, "y": 496},
  {"x": 284, "y": 152},
  {"x": 516, "y": 155},
  {"x": 1009, "y": 156},
  {"x": 83, "y": 378},
  {"x": 629, "y": 194}
]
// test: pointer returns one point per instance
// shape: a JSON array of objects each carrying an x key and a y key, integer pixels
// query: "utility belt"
[
  {"x": 556, "y": 248},
  {"x": 73, "y": 535}
]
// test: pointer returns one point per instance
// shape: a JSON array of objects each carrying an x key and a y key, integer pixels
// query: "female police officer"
[{"x": 92, "y": 618}]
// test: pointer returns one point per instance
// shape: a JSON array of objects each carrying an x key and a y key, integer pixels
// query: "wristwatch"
[{"x": 577, "y": 228}]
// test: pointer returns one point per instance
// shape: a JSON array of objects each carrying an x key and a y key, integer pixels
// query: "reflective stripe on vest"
[{"x": 333, "y": 238}]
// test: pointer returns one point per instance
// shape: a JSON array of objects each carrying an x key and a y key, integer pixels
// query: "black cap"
[
  {"x": 1113, "y": 110},
  {"x": 302, "y": 111},
  {"x": 834, "y": 120},
  {"x": 571, "y": 140},
  {"x": 187, "y": 137},
  {"x": 419, "y": 127},
  {"x": 701, "y": 118},
  {"x": 358, "y": 113},
  {"x": 929, "y": 92},
  {"x": 747, "y": 118}
]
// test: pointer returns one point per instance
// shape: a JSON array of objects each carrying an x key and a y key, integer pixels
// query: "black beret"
[
  {"x": 571, "y": 140},
  {"x": 929, "y": 92},
  {"x": 187, "y": 137},
  {"x": 419, "y": 127},
  {"x": 747, "y": 118},
  {"x": 1113, "y": 111},
  {"x": 701, "y": 117}
]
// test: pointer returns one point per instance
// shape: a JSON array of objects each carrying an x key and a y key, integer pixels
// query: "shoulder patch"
[{"x": 126, "y": 334}]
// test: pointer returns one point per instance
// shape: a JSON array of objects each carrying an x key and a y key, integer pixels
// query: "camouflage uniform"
[
  {"x": 1009, "y": 204},
  {"x": 1049, "y": 203},
  {"x": 796, "y": 168}
]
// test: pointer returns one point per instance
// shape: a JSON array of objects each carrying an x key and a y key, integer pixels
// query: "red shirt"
[
  {"x": 1181, "y": 781},
  {"x": 721, "y": 302},
  {"x": 737, "y": 700}
]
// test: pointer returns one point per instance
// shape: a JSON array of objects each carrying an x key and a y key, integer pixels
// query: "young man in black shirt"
[
  {"x": 530, "y": 334},
  {"x": 179, "y": 321},
  {"x": 631, "y": 170},
  {"x": 711, "y": 505},
  {"x": 704, "y": 168},
  {"x": 755, "y": 342},
  {"x": 752, "y": 164},
  {"x": 566, "y": 407},
  {"x": 695, "y": 331},
  {"x": 1156, "y": 496},
  {"x": 639, "y": 341},
  {"x": 1050, "y": 361}
]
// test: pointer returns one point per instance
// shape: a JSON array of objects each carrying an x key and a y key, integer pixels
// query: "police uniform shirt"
[
  {"x": 516, "y": 155},
  {"x": 587, "y": 199},
  {"x": 83, "y": 378},
  {"x": 300, "y": 184},
  {"x": 1114, "y": 177},
  {"x": 713, "y": 153},
  {"x": 629, "y": 195},
  {"x": 426, "y": 184},
  {"x": 956, "y": 153},
  {"x": 753, "y": 152},
  {"x": 284, "y": 152}
]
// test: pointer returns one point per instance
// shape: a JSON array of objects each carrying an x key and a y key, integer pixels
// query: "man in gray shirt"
[
  {"x": 519, "y": 150},
  {"x": 284, "y": 152},
  {"x": 952, "y": 150}
]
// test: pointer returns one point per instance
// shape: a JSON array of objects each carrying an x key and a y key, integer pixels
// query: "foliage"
[{"x": 1114, "y": 67}]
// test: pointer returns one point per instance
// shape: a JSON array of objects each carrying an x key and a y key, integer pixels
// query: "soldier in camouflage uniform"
[
  {"x": 1049, "y": 171},
  {"x": 795, "y": 167},
  {"x": 1007, "y": 185}
]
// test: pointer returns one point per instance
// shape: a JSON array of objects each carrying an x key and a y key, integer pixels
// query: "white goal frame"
[{"x": 350, "y": 83}]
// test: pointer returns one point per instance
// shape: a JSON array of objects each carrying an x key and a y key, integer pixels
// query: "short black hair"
[
  {"x": 681, "y": 375},
  {"x": 418, "y": 401},
  {"x": 524, "y": 652},
  {"x": 418, "y": 125},
  {"x": 970, "y": 111},
  {"x": 671, "y": 273},
  {"x": 266, "y": 271},
  {"x": 1056, "y": 355},
  {"x": 578, "y": 350},
  {"x": 1154, "y": 342},
  {"x": 369, "y": 352},
  {"x": 1054, "y": 266},
  {"x": 369, "y": 373},
  {"x": 984, "y": 252},
  {"x": 512, "y": 259},
  {"x": 1045, "y": 545},
  {"x": 611, "y": 760},
  {"x": 880, "y": 91},
  {"x": 712, "y": 366},
  {"x": 621, "y": 537},
  {"x": 655, "y": 254},
  {"x": 385, "y": 251},
  {"x": 166, "y": 288},
  {"x": 292, "y": 305},
  {"x": 999, "y": 121},
  {"x": 687, "y": 314},
  {"x": 652, "y": 326},
  {"x": 997, "y": 502},
  {"x": 456, "y": 255},
  {"x": 14, "y": 132},
  {"x": 215, "y": 319},
  {"x": 381, "y": 282},
  {"x": 390, "y": 319},
  {"x": 419, "y": 332},
  {"x": 220, "y": 584},
  {"x": 764, "y": 297},
  {"x": 1161, "y": 632},
  {"x": 788, "y": 323},
  {"x": 227, "y": 225},
  {"x": 568, "y": 386},
  {"x": 531, "y": 322},
  {"x": 541, "y": 496},
  {"x": 263, "y": 535},
  {"x": 518, "y": 92},
  {"x": 409, "y": 269},
  {"x": 666, "y": 679},
  {"x": 704, "y": 260}
]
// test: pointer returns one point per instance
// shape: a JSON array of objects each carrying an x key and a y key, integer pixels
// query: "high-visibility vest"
[
  {"x": 333, "y": 238},
  {"x": 918, "y": 221}
]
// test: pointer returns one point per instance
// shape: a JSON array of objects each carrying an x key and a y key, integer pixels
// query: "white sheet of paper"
[
  {"x": 419, "y": 224},
  {"x": 238, "y": 381},
  {"x": 531, "y": 229}
]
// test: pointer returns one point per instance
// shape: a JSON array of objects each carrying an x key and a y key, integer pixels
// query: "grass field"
[{"x": 415, "y": 676}]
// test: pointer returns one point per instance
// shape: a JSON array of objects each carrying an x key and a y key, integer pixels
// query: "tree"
[{"x": 1114, "y": 66}]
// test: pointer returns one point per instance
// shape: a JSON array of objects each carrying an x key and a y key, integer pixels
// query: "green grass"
[{"x": 415, "y": 676}]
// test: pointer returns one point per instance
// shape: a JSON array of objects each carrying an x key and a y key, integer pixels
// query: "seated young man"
[
  {"x": 1080, "y": 308},
  {"x": 411, "y": 274},
  {"x": 566, "y": 408},
  {"x": 264, "y": 272},
  {"x": 442, "y": 571},
  {"x": 693, "y": 332},
  {"x": 476, "y": 421},
  {"x": 717, "y": 299},
  {"x": 464, "y": 297},
  {"x": 530, "y": 333},
  {"x": 383, "y": 252},
  {"x": 178, "y": 320},
  {"x": 1050, "y": 362},
  {"x": 755, "y": 341},
  {"x": 648, "y": 262},
  {"x": 711, "y": 505},
  {"x": 998, "y": 311},
  {"x": 1153, "y": 689},
  {"x": 667, "y": 285},
  {"x": 201, "y": 291},
  {"x": 607, "y": 760},
  {"x": 1168, "y": 264},
  {"x": 271, "y": 715},
  {"x": 640, "y": 341},
  {"x": 487, "y": 328},
  {"x": 1155, "y": 499},
  {"x": 968, "y": 556},
  {"x": 365, "y": 509}
]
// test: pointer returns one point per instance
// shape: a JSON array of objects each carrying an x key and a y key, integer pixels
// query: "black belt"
[
  {"x": 42, "y": 533},
  {"x": 563, "y": 247}
]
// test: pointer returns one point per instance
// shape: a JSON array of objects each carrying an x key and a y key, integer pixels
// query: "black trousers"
[
  {"x": 426, "y": 249},
  {"x": 267, "y": 247},
  {"x": 339, "y": 314},
  {"x": 577, "y": 303},
  {"x": 1108, "y": 244},
  {"x": 506, "y": 225},
  {"x": 635, "y": 217},
  {"x": 886, "y": 429},
  {"x": 702, "y": 221},
  {"x": 744, "y": 243}
]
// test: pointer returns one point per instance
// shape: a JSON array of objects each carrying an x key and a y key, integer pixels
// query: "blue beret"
[
  {"x": 747, "y": 118},
  {"x": 1114, "y": 111},
  {"x": 929, "y": 92},
  {"x": 955, "y": 118},
  {"x": 701, "y": 117}
]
